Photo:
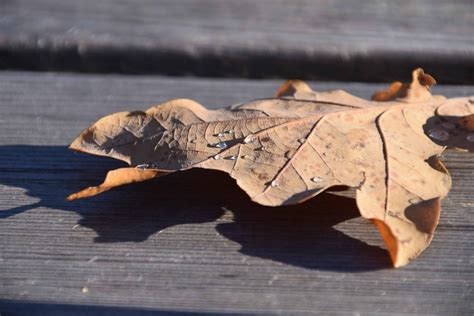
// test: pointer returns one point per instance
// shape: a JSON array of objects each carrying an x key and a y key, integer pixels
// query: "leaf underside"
[{"x": 287, "y": 149}]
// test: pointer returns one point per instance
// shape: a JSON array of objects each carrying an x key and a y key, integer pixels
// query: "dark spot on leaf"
[{"x": 136, "y": 113}]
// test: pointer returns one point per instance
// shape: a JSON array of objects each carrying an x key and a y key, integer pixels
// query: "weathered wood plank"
[
  {"x": 369, "y": 41},
  {"x": 193, "y": 241}
]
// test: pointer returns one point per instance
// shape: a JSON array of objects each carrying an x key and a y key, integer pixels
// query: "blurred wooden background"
[
  {"x": 192, "y": 243},
  {"x": 326, "y": 40}
]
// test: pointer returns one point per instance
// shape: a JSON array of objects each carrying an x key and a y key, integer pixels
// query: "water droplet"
[
  {"x": 448, "y": 125},
  {"x": 143, "y": 166},
  {"x": 470, "y": 138},
  {"x": 275, "y": 183},
  {"x": 250, "y": 138},
  {"x": 289, "y": 154},
  {"x": 231, "y": 158},
  {"x": 217, "y": 157},
  {"x": 316, "y": 179},
  {"x": 221, "y": 145},
  {"x": 224, "y": 133},
  {"x": 438, "y": 134},
  {"x": 415, "y": 200}
]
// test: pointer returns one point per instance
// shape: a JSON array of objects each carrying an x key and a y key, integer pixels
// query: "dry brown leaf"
[{"x": 287, "y": 149}]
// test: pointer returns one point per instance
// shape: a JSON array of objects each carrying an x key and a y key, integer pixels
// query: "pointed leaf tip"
[
  {"x": 291, "y": 87},
  {"x": 418, "y": 90},
  {"x": 115, "y": 178}
]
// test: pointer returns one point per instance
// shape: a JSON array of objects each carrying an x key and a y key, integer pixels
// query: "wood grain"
[
  {"x": 193, "y": 241},
  {"x": 368, "y": 41}
]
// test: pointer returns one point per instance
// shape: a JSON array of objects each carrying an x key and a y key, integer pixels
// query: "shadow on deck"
[{"x": 301, "y": 235}]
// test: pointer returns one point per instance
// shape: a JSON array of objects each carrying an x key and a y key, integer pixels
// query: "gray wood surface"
[
  {"x": 193, "y": 241},
  {"x": 364, "y": 40}
]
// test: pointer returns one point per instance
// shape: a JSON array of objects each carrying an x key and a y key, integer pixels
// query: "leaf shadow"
[{"x": 301, "y": 235}]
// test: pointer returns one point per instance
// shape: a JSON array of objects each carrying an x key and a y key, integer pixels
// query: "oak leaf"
[{"x": 287, "y": 149}]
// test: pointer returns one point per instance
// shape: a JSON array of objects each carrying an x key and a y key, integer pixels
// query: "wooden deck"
[{"x": 193, "y": 241}]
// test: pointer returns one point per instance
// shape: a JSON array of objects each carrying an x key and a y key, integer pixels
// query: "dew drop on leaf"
[
  {"x": 316, "y": 179},
  {"x": 415, "y": 200},
  {"x": 250, "y": 138},
  {"x": 289, "y": 154},
  {"x": 221, "y": 145}
]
